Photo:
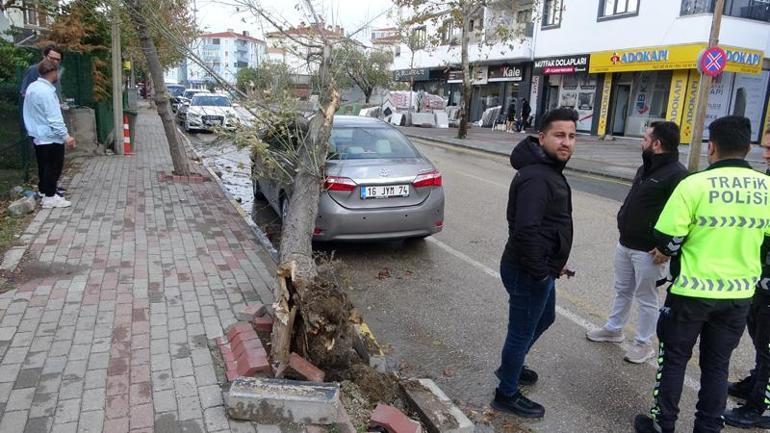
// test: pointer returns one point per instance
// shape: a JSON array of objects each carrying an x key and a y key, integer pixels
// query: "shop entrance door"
[{"x": 620, "y": 111}]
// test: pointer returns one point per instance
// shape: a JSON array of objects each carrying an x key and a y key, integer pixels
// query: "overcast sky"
[{"x": 215, "y": 16}]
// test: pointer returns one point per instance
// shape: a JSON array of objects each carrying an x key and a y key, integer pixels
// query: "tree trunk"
[
  {"x": 465, "y": 103},
  {"x": 368, "y": 95},
  {"x": 297, "y": 269},
  {"x": 178, "y": 154}
]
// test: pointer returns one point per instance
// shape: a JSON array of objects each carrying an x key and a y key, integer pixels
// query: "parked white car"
[{"x": 209, "y": 110}]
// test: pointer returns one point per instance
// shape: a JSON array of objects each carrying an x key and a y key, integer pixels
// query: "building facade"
[
  {"x": 638, "y": 62},
  {"x": 621, "y": 64},
  {"x": 501, "y": 68},
  {"x": 225, "y": 53}
]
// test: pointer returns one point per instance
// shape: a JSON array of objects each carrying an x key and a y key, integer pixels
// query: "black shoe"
[
  {"x": 518, "y": 405},
  {"x": 742, "y": 388},
  {"x": 527, "y": 377},
  {"x": 746, "y": 417},
  {"x": 645, "y": 424}
]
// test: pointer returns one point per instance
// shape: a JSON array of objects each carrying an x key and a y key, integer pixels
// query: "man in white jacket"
[{"x": 45, "y": 124}]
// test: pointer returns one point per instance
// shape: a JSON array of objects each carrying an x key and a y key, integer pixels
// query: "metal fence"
[{"x": 15, "y": 147}]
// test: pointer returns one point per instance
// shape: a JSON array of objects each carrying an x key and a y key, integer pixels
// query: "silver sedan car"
[{"x": 378, "y": 186}]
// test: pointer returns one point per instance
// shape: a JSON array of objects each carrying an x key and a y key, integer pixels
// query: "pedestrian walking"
[
  {"x": 526, "y": 110},
  {"x": 511, "y": 116},
  {"x": 755, "y": 388},
  {"x": 45, "y": 124},
  {"x": 715, "y": 224},
  {"x": 636, "y": 275},
  {"x": 539, "y": 242}
]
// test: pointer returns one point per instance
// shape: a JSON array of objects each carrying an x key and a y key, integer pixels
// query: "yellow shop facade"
[{"x": 647, "y": 84}]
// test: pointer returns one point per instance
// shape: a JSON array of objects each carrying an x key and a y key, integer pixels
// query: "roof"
[
  {"x": 385, "y": 29},
  {"x": 387, "y": 39},
  {"x": 232, "y": 35}
]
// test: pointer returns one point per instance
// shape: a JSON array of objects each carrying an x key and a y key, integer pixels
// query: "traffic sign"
[{"x": 712, "y": 61}]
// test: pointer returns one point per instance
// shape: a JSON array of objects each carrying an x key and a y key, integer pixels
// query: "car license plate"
[{"x": 385, "y": 191}]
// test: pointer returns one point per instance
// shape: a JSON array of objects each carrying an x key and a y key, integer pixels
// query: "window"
[
  {"x": 368, "y": 143},
  {"x": 450, "y": 35},
  {"x": 397, "y": 52},
  {"x": 215, "y": 41},
  {"x": 419, "y": 37},
  {"x": 750, "y": 9},
  {"x": 551, "y": 13},
  {"x": 618, "y": 8}
]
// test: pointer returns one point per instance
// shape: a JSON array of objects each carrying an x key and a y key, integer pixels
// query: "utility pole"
[
  {"x": 117, "y": 80},
  {"x": 704, "y": 89}
]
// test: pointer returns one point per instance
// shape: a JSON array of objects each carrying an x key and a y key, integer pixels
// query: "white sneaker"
[
  {"x": 638, "y": 353},
  {"x": 602, "y": 335},
  {"x": 55, "y": 201}
]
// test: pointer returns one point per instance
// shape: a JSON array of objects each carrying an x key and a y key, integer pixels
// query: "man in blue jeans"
[{"x": 539, "y": 243}]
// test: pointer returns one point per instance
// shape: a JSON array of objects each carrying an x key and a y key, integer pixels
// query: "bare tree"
[
  {"x": 463, "y": 14},
  {"x": 137, "y": 11}
]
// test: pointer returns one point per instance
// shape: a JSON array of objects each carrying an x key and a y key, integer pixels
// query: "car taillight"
[
  {"x": 335, "y": 183},
  {"x": 432, "y": 178}
]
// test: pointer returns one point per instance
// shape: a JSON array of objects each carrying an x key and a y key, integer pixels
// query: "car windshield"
[
  {"x": 190, "y": 93},
  {"x": 210, "y": 101},
  {"x": 369, "y": 143},
  {"x": 175, "y": 90}
]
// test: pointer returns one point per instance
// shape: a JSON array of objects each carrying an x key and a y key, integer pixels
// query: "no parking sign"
[{"x": 712, "y": 61}]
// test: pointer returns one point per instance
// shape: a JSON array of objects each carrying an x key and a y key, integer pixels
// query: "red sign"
[{"x": 712, "y": 61}]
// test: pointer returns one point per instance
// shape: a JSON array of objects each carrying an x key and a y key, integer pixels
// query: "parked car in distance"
[
  {"x": 207, "y": 110},
  {"x": 174, "y": 91},
  {"x": 378, "y": 185},
  {"x": 183, "y": 101}
]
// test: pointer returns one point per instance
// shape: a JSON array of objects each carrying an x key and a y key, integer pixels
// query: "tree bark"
[
  {"x": 178, "y": 155},
  {"x": 368, "y": 95},
  {"x": 465, "y": 103},
  {"x": 297, "y": 267}
]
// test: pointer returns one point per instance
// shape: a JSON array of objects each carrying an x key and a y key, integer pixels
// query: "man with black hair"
[
  {"x": 52, "y": 53},
  {"x": 715, "y": 223},
  {"x": 755, "y": 388},
  {"x": 636, "y": 275},
  {"x": 539, "y": 242}
]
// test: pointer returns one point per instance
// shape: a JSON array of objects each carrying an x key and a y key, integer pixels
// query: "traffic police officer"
[
  {"x": 714, "y": 224},
  {"x": 755, "y": 388}
]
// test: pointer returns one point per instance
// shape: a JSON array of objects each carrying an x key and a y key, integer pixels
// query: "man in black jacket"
[
  {"x": 539, "y": 243},
  {"x": 636, "y": 274}
]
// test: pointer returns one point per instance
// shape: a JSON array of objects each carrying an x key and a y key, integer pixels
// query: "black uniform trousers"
[
  {"x": 719, "y": 323},
  {"x": 759, "y": 329}
]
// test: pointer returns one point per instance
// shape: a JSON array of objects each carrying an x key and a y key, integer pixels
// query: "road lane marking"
[
  {"x": 483, "y": 180},
  {"x": 569, "y": 315}
]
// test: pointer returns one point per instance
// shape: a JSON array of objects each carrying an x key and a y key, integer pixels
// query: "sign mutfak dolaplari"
[
  {"x": 418, "y": 74},
  {"x": 561, "y": 65}
]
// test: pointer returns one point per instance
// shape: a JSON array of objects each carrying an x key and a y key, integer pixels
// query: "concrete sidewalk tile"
[
  {"x": 94, "y": 399},
  {"x": 164, "y": 401},
  {"x": 20, "y": 399},
  {"x": 91, "y": 422}
]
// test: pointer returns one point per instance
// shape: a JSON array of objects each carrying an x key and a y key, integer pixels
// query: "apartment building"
[
  {"x": 27, "y": 19},
  {"x": 225, "y": 53},
  {"x": 621, "y": 64}
]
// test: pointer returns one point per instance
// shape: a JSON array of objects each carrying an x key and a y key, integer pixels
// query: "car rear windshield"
[
  {"x": 175, "y": 90},
  {"x": 190, "y": 93},
  {"x": 210, "y": 101},
  {"x": 368, "y": 143}
]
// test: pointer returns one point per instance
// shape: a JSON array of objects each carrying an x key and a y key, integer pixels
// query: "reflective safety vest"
[{"x": 720, "y": 218}]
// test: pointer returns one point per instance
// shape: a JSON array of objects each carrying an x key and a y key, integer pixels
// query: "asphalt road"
[{"x": 440, "y": 306}]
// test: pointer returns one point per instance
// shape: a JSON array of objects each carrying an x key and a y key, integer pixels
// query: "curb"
[
  {"x": 261, "y": 236},
  {"x": 492, "y": 152}
]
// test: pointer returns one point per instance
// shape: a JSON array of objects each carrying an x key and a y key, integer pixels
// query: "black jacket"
[
  {"x": 653, "y": 184},
  {"x": 539, "y": 212}
]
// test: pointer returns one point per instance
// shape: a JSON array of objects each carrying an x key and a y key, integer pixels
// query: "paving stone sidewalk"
[{"x": 120, "y": 294}]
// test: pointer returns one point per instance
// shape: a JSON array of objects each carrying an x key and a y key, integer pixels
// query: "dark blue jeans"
[{"x": 531, "y": 310}]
